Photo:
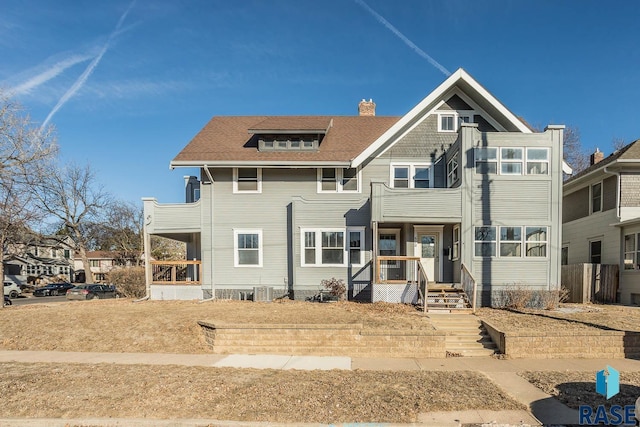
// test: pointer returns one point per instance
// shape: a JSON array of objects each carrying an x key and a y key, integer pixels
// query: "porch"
[{"x": 403, "y": 279}]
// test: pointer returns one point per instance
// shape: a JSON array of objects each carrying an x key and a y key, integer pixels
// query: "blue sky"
[{"x": 128, "y": 84}]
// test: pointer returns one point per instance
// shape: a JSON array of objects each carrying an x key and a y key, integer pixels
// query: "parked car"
[
  {"x": 7, "y": 301},
  {"x": 82, "y": 292},
  {"x": 12, "y": 290},
  {"x": 52, "y": 289}
]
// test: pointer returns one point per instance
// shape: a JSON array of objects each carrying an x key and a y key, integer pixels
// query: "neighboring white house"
[
  {"x": 459, "y": 185},
  {"x": 601, "y": 217}
]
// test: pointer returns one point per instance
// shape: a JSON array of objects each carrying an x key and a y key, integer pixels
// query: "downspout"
[{"x": 213, "y": 290}]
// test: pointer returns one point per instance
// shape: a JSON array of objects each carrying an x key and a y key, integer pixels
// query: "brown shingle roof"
[
  {"x": 628, "y": 152},
  {"x": 227, "y": 138}
]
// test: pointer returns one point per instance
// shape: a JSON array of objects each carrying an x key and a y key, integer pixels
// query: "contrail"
[
  {"x": 402, "y": 37},
  {"x": 49, "y": 74},
  {"x": 87, "y": 72}
]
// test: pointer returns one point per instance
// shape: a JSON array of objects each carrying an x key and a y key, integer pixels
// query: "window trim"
[
  {"x": 457, "y": 119},
  {"x": 318, "y": 246},
  {"x": 635, "y": 265},
  {"x": 339, "y": 181},
  {"x": 495, "y": 241},
  {"x": 591, "y": 242},
  {"x": 488, "y": 160},
  {"x": 521, "y": 162},
  {"x": 524, "y": 169},
  {"x": 236, "y": 254},
  {"x": 411, "y": 173},
  {"x": 501, "y": 241},
  {"x": 236, "y": 178},
  {"x": 527, "y": 241}
]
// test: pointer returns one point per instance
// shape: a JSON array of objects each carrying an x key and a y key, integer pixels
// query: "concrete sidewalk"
[{"x": 544, "y": 408}]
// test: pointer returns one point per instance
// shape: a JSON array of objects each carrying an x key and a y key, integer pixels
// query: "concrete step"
[{"x": 479, "y": 352}]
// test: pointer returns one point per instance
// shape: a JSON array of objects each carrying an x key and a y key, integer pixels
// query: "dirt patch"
[
  {"x": 171, "y": 392},
  {"x": 579, "y": 388},
  {"x": 567, "y": 316},
  {"x": 171, "y": 326}
]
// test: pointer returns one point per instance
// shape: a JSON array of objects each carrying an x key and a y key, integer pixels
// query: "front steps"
[
  {"x": 445, "y": 297},
  {"x": 465, "y": 335}
]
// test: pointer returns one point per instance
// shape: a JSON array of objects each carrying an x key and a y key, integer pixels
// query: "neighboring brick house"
[
  {"x": 601, "y": 217},
  {"x": 457, "y": 187},
  {"x": 39, "y": 260}
]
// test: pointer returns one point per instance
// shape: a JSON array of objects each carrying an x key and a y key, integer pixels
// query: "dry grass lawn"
[{"x": 168, "y": 392}]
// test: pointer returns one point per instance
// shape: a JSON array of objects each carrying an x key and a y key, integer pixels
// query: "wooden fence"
[{"x": 590, "y": 282}]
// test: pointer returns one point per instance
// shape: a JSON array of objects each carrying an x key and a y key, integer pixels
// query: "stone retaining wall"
[
  {"x": 589, "y": 343},
  {"x": 323, "y": 340}
]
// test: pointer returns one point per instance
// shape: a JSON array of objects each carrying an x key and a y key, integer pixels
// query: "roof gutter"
[{"x": 259, "y": 163}]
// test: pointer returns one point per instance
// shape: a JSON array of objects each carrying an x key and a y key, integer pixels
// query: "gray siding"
[
  {"x": 630, "y": 189},
  {"x": 512, "y": 199},
  {"x": 575, "y": 205},
  {"x": 422, "y": 143}
]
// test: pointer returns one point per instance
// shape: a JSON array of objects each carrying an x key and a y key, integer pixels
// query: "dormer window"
[{"x": 289, "y": 142}]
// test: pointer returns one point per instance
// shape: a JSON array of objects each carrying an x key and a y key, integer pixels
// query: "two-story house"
[
  {"x": 601, "y": 217},
  {"x": 101, "y": 264},
  {"x": 457, "y": 186},
  {"x": 39, "y": 259}
]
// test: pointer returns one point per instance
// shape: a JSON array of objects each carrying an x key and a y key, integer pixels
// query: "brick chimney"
[
  {"x": 367, "y": 108},
  {"x": 597, "y": 157}
]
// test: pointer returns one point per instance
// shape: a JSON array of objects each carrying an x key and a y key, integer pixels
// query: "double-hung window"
[
  {"x": 247, "y": 180},
  {"x": 486, "y": 160},
  {"x": 631, "y": 251},
  {"x": 323, "y": 247},
  {"x": 595, "y": 251},
  {"x": 537, "y": 161},
  {"x": 485, "y": 241},
  {"x": 510, "y": 241},
  {"x": 338, "y": 180},
  {"x": 456, "y": 243},
  {"x": 447, "y": 122},
  {"x": 411, "y": 176},
  {"x": 452, "y": 170},
  {"x": 536, "y": 241},
  {"x": 356, "y": 245},
  {"x": 596, "y": 197},
  {"x": 511, "y": 161},
  {"x": 247, "y": 248}
]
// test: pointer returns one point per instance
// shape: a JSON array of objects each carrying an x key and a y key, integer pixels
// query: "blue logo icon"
[{"x": 608, "y": 382}]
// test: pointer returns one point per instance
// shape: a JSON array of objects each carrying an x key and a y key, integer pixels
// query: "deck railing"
[
  {"x": 176, "y": 272},
  {"x": 469, "y": 285},
  {"x": 399, "y": 279}
]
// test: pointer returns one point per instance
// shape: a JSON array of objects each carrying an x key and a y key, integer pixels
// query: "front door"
[{"x": 428, "y": 253}]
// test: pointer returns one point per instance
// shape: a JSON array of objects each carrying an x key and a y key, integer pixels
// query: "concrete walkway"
[{"x": 544, "y": 408}]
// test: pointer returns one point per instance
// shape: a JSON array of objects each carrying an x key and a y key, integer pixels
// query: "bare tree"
[
  {"x": 618, "y": 143},
  {"x": 75, "y": 201},
  {"x": 574, "y": 154},
  {"x": 166, "y": 249},
  {"x": 122, "y": 231},
  {"x": 23, "y": 147}
]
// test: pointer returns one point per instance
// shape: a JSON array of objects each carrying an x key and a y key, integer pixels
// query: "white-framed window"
[
  {"x": 323, "y": 247},
  {"x": 537, "y": 161},
  {"x": 452, "y": 170},
  {"x": 456, "y": 243},
  {"x": 485, "y": 241},
  {"x": 355, "y": 237},
  {"x": 411, "y": 175},
  {"x": 511, "y": 161},
  {"x": 536, "y": 241},
  {"x": 510, "y": 241},
  {"x": 339, "y": 180},
  {"x": 631, "y": 260},
  {"x": 596, "y": 197},
  {"x": 447, "y": 122},
  {"x": 486, "y": 160},
  {"x": 247, "y": 250},
  {"x": 247, "y": 180}
]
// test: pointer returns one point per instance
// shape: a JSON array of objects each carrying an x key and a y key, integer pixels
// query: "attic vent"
[{"x": 288, "y": 142}]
